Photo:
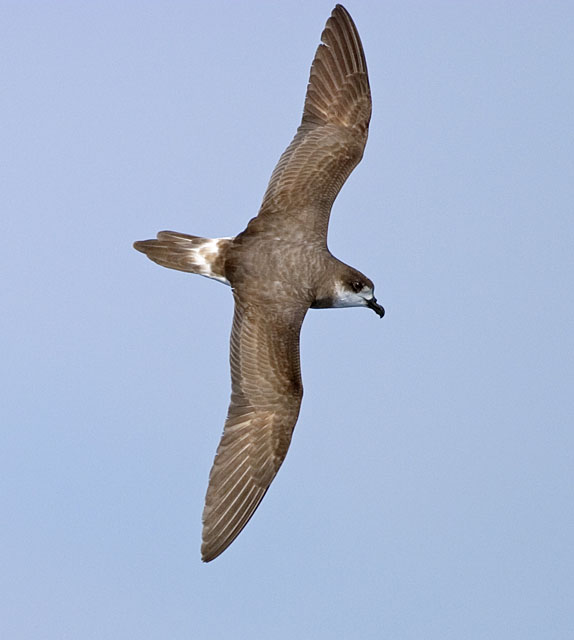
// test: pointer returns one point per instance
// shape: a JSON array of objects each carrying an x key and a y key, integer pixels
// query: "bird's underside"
[{"x": 264, "y": 350}]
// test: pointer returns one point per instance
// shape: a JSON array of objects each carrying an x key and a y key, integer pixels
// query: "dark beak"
[{"x": 372, "y": 304}]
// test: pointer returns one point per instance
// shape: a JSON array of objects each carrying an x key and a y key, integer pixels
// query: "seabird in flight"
[{"x": 278, "y": 268}]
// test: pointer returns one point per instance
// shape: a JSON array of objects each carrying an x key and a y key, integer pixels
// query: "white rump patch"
[{"x": 204, "y": 255}]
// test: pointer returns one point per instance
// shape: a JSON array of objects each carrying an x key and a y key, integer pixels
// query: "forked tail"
[{"x": 205, "y": 256}]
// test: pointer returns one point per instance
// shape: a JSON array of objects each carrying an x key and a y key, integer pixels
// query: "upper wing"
[
  {"x": 333, "y": 132},
  {"x": 265, "y": 399}
]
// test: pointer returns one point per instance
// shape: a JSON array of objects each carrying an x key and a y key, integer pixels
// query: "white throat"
[{"x": 346, "y": 298}]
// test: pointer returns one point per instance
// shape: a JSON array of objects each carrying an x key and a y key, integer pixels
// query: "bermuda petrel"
[{"x": 278, "y": 268}]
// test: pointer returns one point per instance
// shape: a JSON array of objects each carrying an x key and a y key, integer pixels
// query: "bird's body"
[{"x": 278, "y": 268}]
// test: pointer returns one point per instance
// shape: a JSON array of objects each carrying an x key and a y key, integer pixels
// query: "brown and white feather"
[
  {"x": 278, "y": 268},
  {"x": 192, "y": 254}
]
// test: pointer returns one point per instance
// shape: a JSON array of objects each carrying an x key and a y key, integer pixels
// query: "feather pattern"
[
  {"x": 265, "y": 400},
  {"x": 331, "y": 139},
  {"x": 278, "y": 268}
]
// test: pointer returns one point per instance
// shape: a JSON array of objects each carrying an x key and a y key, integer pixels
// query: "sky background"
[{"x": 428, "y": 492}]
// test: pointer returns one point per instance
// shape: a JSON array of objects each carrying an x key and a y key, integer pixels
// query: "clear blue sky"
[{"x": 428, "y": 492}]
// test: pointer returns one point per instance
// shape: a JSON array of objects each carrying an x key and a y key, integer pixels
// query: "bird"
[{"x": 278, "y": 268}]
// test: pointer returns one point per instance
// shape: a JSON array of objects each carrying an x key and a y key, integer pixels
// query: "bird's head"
[{"x": 356, "y": 290}]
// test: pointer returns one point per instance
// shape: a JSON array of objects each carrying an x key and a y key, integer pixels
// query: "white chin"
[{"x": 349, "y": 300}]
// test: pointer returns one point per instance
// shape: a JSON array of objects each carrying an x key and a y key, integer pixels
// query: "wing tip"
[{"x": 208, "y": 556}]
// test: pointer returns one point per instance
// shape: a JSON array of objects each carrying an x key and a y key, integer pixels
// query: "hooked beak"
[{"x": 372, "y": 304}]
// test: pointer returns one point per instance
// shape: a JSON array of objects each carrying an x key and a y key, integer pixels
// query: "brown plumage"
[{"x": 278, "y": 268}]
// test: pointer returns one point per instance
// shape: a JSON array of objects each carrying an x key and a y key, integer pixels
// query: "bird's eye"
[{"x": 356, "y": 286}]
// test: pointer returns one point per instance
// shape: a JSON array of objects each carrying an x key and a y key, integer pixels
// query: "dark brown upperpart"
[{"x": 278, "y": 267}]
